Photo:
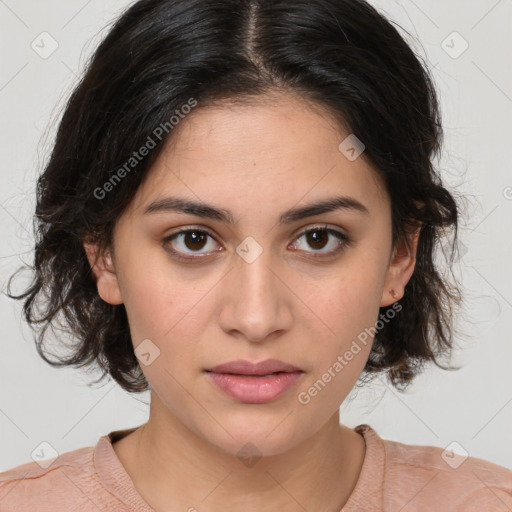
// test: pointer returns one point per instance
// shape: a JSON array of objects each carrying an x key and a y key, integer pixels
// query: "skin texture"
[{"x": 256, "y": 161}]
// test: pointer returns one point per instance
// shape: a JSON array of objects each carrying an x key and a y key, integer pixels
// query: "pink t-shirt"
[{"x": 394, "y": 477}]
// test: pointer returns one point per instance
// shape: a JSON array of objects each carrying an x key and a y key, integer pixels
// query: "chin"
[
  {"x": 251, "y": 440},
  {"x": 249, "y": 450}
]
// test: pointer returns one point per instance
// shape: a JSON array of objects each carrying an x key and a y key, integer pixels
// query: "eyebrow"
[{"x": 199, "y": 209}]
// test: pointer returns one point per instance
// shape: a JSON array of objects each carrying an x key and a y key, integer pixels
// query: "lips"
[
  {"x": 242, "y": 367},
  {"x": 255, "y": 383}
]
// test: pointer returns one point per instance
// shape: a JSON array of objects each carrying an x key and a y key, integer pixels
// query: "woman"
[{"x": 240, "y": 213}]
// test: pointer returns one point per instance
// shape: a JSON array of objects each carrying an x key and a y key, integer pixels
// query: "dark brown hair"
[{"x": 340, "y": 54}]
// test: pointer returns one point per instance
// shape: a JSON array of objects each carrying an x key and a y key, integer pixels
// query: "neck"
[{"x": 172, "y": 467}]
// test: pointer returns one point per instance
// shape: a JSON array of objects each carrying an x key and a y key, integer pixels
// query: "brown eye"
[
  {"x": 320, "y": 237},
  {"x": 194, "y": 240},
  {"x": 189, "y": 244},
  {"x": 317, "y": 239}
]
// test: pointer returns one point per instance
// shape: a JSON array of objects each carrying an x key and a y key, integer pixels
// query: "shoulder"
[
  {"x": 429, "y": 477},
  {"x": 49, "y": 484}
]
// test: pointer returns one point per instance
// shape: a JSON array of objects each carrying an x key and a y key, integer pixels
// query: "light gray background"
[{"x": 471, "y": 406}]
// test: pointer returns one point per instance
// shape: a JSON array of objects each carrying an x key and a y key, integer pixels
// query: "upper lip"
[{"x": 242, "y": 367}]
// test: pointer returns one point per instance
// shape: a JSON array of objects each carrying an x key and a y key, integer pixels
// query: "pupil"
[
  {"x": 318, "y": 237},
  {"x": 196, "y": 238}
]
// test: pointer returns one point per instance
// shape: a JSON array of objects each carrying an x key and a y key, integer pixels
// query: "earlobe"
[
  {"x": 104, "y": 272},
  {"x": 400, "y": 269}
]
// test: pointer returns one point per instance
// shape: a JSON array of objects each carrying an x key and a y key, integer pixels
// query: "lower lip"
[{"x": 254, "y": 390}]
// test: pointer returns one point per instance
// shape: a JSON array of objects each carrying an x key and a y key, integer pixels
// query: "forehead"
[
  {"x": 276, "y": 150},
  {"x": 269, "y": 127}
]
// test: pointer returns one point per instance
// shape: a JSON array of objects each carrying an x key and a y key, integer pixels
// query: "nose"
[{"x": 257, "y": 303}]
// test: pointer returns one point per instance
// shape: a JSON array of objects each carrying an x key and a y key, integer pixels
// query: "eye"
[
  {"x": 193, "y": 240},
  {"x": 320, "y": 237},
  {"x": 192, "y": 243}
]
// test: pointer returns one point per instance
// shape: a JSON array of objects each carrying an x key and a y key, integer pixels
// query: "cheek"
[
  {"x": 171, "y": 312},
  {"x": 339, "y": 353},
  {"x": 157, "y": 295},
  {"x": 349, "y": 300},
  {"x": 346, "y": 308}
]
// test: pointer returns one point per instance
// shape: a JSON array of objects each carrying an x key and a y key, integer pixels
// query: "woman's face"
[{"x": 257, "y": 287}]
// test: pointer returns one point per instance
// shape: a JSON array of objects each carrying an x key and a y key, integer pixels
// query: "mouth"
[
  {"x": 249, "y": 375},
  {"x": 254, "y": 382},
  {"x": 262, "y": 369}
]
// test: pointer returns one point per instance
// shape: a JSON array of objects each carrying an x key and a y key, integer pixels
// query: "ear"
[
  {"x": 104, "y": 272},
  {"x": 400, "y": 269}
]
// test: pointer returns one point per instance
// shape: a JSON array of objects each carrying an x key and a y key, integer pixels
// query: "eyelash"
[{"x": 345, "y": 242}]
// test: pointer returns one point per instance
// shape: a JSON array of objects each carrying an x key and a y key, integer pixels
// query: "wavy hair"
[{"x": 342, "y": 55}]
